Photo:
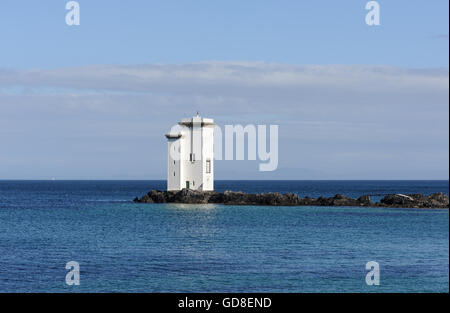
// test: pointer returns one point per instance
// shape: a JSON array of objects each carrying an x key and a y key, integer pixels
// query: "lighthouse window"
[
  {"x": 173, "y": 173},
  {"x": 208, "y": 166}
]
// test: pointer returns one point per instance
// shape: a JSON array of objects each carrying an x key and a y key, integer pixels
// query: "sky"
[{"x": 352, "y": 101}]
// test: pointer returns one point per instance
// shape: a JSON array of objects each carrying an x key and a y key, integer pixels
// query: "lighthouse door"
[{"x": 187, "y": 184}]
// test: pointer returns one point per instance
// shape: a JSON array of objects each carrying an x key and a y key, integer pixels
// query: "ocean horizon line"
[{"x": 227, "y": 180}]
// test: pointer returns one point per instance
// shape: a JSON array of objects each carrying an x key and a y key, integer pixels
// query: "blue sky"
[
  {"x": 352, "y": 101},
  {"x": 412, "y": 33}
]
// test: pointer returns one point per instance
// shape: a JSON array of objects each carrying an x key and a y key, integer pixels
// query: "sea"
[{"x": 121, "y": 246}]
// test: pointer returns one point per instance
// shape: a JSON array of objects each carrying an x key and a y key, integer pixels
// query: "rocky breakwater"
[{"x": 437, "y": 200}]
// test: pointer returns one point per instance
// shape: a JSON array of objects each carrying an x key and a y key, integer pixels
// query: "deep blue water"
[{"x": 123, "y": 246}]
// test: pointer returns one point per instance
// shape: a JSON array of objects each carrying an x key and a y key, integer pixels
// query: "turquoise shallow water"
[{"x": 122, "y": 246}]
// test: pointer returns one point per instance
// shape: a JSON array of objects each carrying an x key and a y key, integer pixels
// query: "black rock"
[
  {"x": 365, "y": 200},
  {"x": 438, "y": 200}
]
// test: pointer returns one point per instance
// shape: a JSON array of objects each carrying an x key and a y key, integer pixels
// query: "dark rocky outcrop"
[{"x": 437, "y": 200}]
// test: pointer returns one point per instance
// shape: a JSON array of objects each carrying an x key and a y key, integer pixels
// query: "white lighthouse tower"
[{"x": 191, "y": 155}]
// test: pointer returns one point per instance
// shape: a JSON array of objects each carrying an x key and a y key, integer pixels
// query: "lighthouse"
[{"x": 190, "y": 158}]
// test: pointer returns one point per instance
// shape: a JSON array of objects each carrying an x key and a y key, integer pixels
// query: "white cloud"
[
  {"x": 324, "y": 112},
  {"x": 200, "y": 77}
]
